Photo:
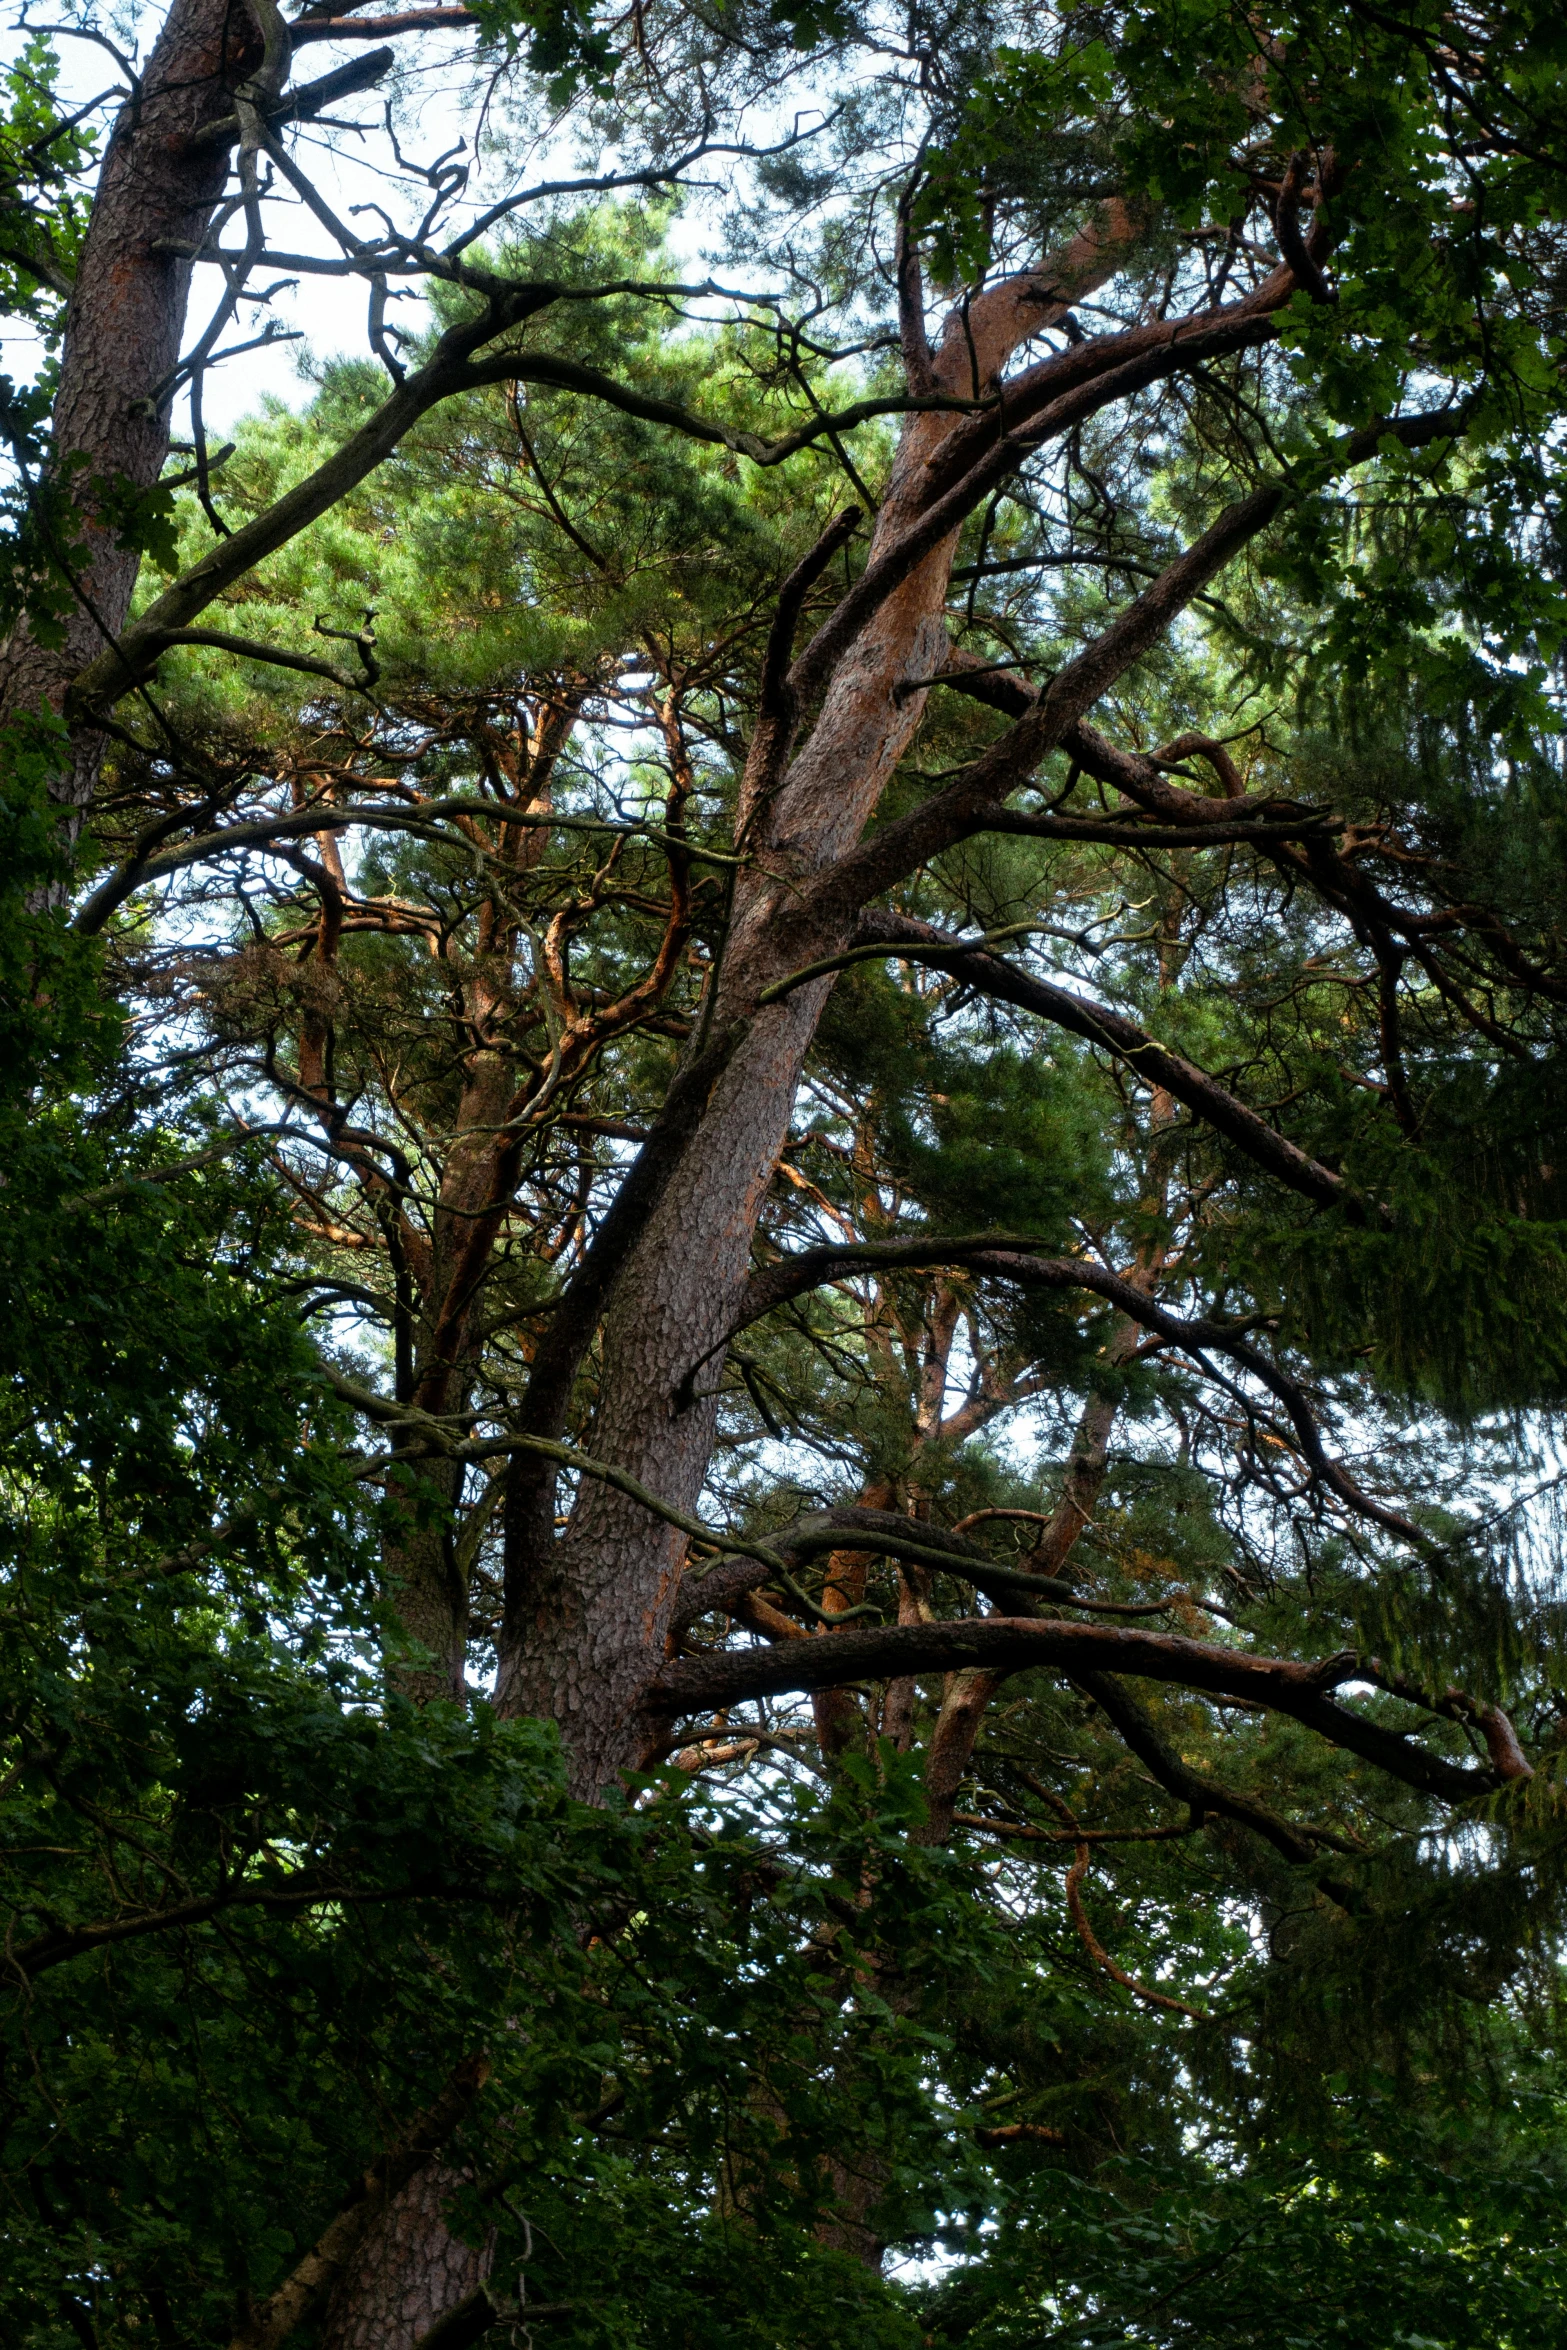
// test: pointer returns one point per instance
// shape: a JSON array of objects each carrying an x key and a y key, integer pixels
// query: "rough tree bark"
[
  {"x": 665, "y": 1280},
  {"x": 163, "y": 173},
  {"x": 409, "y": 2272},
  {"x": 588, "y": 1614},
  {"x": 160, "y": 182}
]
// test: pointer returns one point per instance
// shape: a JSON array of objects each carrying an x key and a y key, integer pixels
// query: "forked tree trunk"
[
  {"x": 601, "y": 1597},
  {"x": 588, "y": 1620}
]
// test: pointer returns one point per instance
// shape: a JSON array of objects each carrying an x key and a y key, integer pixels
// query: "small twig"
[{"x": 1101, "y": 1957}]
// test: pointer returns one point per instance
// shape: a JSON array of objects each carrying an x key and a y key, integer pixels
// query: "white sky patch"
[{"x": 441, "y": 106}]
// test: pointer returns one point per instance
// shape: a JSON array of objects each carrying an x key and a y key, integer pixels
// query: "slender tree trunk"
[
  {"x": 968, "y": 1693},
  {"x": 426, "y": 1586},
  {"x": 126, "y": 318},
  {"x": 840, "y": 1722}
]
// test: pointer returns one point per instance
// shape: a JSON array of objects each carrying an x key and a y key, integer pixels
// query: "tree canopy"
[{"x": 782, "y": 1185}]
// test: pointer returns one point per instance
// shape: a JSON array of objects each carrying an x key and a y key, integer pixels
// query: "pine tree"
[{"x": 780, "y": 1459}]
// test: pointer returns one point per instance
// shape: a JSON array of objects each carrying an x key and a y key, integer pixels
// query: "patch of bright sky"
[{"x": 444, "y": 103}]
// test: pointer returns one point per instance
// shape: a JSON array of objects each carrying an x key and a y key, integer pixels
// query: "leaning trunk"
[
  {"x": 160, "y": 181},
  {"x": 410, "y": 2271},
  {"x": 587, "y": 1616}
]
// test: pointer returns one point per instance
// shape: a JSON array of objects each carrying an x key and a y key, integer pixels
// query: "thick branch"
[
  {"x": 970, "y": 803},
  {"x": 303, "y": 104},
  {"x": 1175, "y": 350},
  {"x": 886, "y": 1534},
  {"x": 452, "y": 368},
  {"x": 377, "y": 28},
  {"x": 1137, "y": 1731},
  {"x": 1022, "y": 1644}
]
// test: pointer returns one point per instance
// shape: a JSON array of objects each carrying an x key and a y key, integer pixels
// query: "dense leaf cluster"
[{"x": 333, "y": 1018}]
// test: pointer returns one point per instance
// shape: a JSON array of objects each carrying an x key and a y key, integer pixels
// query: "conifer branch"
[
  {"x": 1013, "y": 1644},
  {"x": 1002, "y": 982}
]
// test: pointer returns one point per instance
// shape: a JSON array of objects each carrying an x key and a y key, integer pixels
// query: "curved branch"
[
  {"x": 1198, "y": 1338},
  {"x": 249, "y": 648},
  {"x": 332, "y": 816},
  {"x": 1015, "y": 1644},
  {"x": 1081, "y": 1864},
  {"x": 813, "y": 1268},
  {"x": 888, "y": 1535},
  {"x": 990, "y": 976},
  {"x": 452, "y": 368},
  {"x": 1286, "y": 224}
]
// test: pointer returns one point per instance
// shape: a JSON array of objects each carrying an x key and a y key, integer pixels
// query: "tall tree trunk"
[
  {"x": 424, "y": 1580},
  {"x": 587, "y": 1616},
  {"x": 158, "y": 184}
]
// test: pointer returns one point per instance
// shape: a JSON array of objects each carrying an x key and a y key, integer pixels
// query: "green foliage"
[
  {"x": 559, "y": 39},
  {"x": 43, "y": 218},
  {"x": 744, "y": 2025},
  {"x": 1386, "y": 2237},
  {"x": 52, "y": 1018},
  {"x": 349, "y": 1903}
]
